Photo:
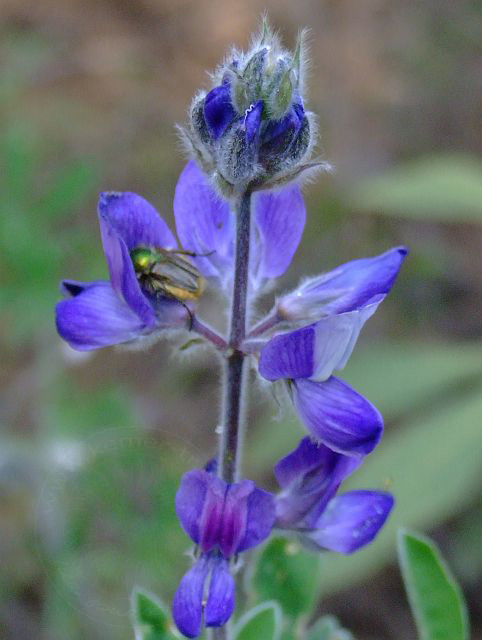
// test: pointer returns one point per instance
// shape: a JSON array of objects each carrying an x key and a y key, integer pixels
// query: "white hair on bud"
[{"x": 304, "y": 61}]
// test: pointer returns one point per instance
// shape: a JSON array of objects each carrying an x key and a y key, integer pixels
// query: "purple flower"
[
  {"x": 220, "y": 114},
  {"x": 332, "y": 411},
  {"x": 103, "y": 313},
  {"x": 218, "y": 110},
  {"x": 346, "y": 288},
  {"x": 340, "y": 302},
  {"x": 223, "y": 520},
  {"x": 205, "y": 225},
  {"x": 309, "y": 477},
  {"x": 281, "y": 138}
]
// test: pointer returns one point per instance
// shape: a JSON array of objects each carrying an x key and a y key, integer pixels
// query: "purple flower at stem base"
[{"x": 222, "y": 519}]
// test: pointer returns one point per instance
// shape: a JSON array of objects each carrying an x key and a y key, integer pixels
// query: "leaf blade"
[
  {"x": 434, "y": 595},
  {"x": 263, "y": 621},
  {"x": 150, "y": 616},
  {"x": 328, "y": 628},
  {"x": 288, "y": 574}
]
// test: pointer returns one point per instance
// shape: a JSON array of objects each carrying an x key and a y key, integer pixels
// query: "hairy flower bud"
[{"x": 252, "y": 127}]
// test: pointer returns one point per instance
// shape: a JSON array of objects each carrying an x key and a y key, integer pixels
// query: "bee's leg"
[{"x": 191, "y": 316}]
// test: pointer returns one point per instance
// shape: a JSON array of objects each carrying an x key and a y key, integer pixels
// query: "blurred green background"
[{"x": 92, "y": 447}]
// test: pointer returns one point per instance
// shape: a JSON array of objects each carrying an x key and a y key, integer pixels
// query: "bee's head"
[{"x": 143, "y": 259}]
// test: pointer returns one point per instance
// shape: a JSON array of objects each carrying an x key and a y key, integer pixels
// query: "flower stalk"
[
  {"x": 234, "y": 375},
  {"x": 265, "y": 325},
  {"x": 198, "y": 326}
]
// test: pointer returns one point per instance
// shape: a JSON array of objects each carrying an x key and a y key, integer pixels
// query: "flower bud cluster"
[{"x": 252, "y": 127}]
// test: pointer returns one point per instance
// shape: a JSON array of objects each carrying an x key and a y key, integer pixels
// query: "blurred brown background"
[{"x": 91, "y": 448}]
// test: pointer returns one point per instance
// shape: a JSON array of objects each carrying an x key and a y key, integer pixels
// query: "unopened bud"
[{"x": 252, "y": 126}]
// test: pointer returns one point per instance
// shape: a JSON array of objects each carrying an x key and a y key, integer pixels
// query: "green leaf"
[
  {"x": 435, "y": 597},
  {"x": 263, "y": 621},
  {"x": 328, "y": 628},
  {"x": 150, "y": 617},
  {"x": 286, "y": 573},
  {"x": 442, "y": 188}
]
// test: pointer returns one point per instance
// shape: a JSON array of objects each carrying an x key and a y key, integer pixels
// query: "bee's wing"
[{"x": 178, "y": 272}]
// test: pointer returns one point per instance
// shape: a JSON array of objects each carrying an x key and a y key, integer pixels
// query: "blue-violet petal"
[{"x": 337, "y": 415}]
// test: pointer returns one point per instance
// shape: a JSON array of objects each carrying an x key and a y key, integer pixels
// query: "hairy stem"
[
  {"x": 204, "y": 330},
  {"x": 265, "y": 324},
  {"x": 234, "y": 374}
]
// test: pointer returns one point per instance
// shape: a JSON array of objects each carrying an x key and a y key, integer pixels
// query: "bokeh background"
[{"x": 92, "y": 447}]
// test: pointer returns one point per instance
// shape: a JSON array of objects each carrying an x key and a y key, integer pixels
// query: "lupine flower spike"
[{"x": 239, "y": 217}]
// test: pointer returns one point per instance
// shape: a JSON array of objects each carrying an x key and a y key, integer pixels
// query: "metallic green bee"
[{"x": 166, "y": 272}]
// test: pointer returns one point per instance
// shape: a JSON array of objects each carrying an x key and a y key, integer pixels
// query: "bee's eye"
[{"x": 142, "y": 259}]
